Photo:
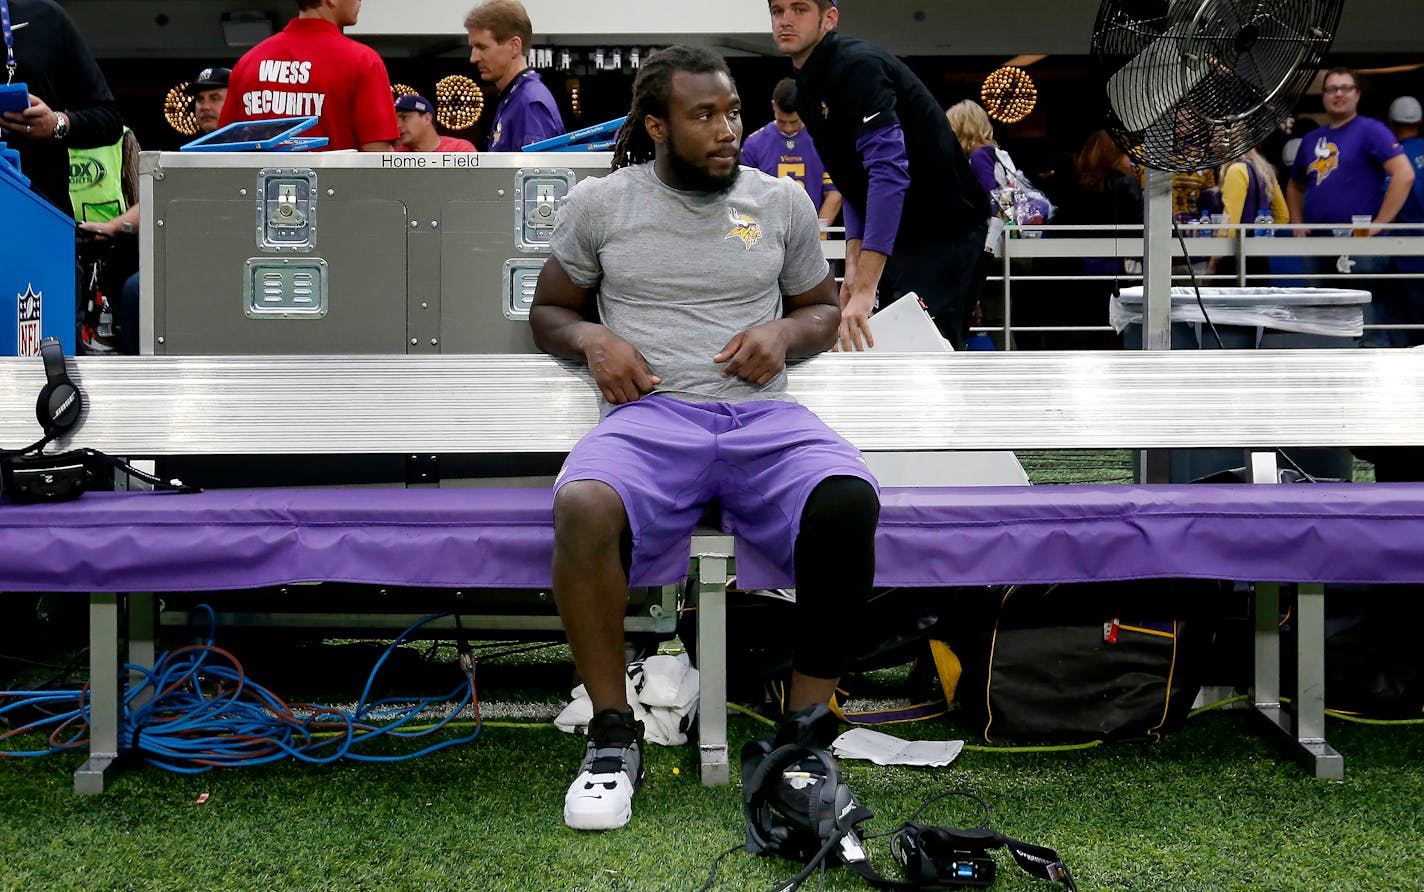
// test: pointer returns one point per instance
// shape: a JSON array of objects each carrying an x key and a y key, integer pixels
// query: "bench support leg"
[
  {"x": 143, "y": 623},
  {"x": 713, "y": 555},
  {"x": 105, "y": 667},
  {"x": 1305, "y": 723}
]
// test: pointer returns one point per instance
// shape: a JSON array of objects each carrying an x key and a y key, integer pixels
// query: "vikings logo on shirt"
[
  {"x": 744, "y": 228},
  {"x": 1327, "y": 158}
]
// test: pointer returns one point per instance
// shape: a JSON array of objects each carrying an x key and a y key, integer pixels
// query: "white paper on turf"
[{"x": 887, "y": 749}]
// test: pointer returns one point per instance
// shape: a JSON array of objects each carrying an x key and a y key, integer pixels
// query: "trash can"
[
  {"x": 36, "y": 272},
  {"x": 1253, "y": 319}
]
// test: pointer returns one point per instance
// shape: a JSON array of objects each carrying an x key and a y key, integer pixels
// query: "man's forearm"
[
  {"x": 1394, "y": 198},
  {"x": 869, "y": 267},
  {"x": 1295, "y": 200},
  {"x": 810, "y": 330},
  {"x": 561, "y": 332}
]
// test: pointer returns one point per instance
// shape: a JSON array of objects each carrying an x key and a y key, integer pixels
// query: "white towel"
[{"x": 662, "y": 690}]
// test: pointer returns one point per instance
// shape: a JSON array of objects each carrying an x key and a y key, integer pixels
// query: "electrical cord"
[
  {"x": 1196, "y": 286},
  {"x": 195, "y": 710},
  {"x": 205, "y": 713}
]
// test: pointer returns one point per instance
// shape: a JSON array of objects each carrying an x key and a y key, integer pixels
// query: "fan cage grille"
[{"x": 1195, "y": 83}]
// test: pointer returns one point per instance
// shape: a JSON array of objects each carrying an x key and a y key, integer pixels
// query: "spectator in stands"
[
  {"x": 1193, "y": 194},
  {"x": 70, "y": 103},
  {"x": 915, "y": 217},
  {"x": 415, "y": 117},
  {"x": 500, "y": 33},
  {"x": 1404, "y": 116},
  {"x": 692, "y": 365},
  {"x": 997, "y": 175},
  {"x": 311, "y": 68},
  {"x": 1350, "y": 167},
  {"x": 209, "y": 93},
  {"x": 1106, "y": 192},
  {"x": 1250, "y": 192},
  {"x": 783, "y": 148}
]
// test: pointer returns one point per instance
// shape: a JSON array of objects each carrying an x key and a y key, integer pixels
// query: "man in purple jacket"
[
  {"x": 916, "y": 218},
  {"x": 500, "y": 34}
]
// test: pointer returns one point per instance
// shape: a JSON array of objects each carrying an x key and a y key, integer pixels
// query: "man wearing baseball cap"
[
  {"x": 1404, "y": 117},
  {"x": 415, "y": 118},
  {"x": 208, "y": 92}
]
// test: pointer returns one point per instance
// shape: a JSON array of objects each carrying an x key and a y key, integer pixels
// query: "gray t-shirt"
[{"x": 680, "y": 273}]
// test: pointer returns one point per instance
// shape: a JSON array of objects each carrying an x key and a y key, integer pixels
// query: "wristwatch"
[{"x": 61, "y": 125}]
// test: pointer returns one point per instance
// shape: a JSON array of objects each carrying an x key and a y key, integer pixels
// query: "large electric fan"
[{"x": 1195, "y": 83}]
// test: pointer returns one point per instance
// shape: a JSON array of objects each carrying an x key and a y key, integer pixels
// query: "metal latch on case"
[{"x": 289, "y": 215}]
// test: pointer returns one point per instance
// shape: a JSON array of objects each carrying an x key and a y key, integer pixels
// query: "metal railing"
[{"x": 1024, "y": 247}]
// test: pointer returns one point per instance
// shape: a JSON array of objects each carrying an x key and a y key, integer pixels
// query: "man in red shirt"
[
  {"x": 311, "y": 68},
  {"x": 415, "y": 116}
]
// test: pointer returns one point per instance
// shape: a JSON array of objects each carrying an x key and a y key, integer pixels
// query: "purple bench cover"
[{"x": 233, "y": 539}]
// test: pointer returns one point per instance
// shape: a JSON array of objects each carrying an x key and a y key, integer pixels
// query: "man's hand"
[
  {"x": 619, "y": 369},
  {"x": 756, "y": 355},
  {"x": 36, "y": 122},
  {"x": 856, "y": 307},
  {"x": 106, "y": 229}
]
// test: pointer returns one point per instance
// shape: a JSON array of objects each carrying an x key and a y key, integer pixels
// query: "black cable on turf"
[
  {"x": 712, "y": 874},
  {"x": 965, "y": 793}
]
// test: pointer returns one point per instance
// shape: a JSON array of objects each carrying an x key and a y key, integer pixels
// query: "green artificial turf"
[{"x": 1218, "y": 805}]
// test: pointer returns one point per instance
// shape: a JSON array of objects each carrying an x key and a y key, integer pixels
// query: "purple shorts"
[{"x": 666, "y": 458}]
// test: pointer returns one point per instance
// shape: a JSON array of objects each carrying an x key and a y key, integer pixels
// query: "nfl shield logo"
[{"x": 27, "y": 307}]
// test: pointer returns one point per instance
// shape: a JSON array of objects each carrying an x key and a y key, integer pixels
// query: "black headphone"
[
  {"x": 795, "y": 828},
  {"x": 60, "y": 401}
]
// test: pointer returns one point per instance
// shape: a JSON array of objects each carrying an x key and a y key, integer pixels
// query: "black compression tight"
[{"x": 835, "y": 567}]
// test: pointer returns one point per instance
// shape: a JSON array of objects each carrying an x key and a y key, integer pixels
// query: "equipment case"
[{"x": 347, "y": 253}]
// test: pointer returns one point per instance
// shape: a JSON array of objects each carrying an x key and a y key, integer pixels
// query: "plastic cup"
[
  {"x": 1219, "y": 222},
  {"x": 1362, "y": 225}
]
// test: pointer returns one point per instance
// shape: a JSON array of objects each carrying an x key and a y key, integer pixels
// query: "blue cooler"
[{"x": 37, "y": 298}]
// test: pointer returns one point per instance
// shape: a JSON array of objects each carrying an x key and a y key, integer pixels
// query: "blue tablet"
[
  {"x": 253, "y": 136},
  {"x": 554, "y": 143}
]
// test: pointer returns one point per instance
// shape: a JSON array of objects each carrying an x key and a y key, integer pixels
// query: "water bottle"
[
  {"x": 1265, "y": 225},
  {"x": 1204, "y": 229}
]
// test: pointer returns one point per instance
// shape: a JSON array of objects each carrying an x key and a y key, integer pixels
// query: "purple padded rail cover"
[{"x": 234, "y": 539}]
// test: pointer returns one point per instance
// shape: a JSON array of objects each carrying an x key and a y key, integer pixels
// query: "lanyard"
[
  {"x": 504, "y": 101},
  {"x": 10, "y": 63}
]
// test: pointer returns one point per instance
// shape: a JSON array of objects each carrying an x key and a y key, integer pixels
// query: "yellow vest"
[{"x": 96, "y": 187}]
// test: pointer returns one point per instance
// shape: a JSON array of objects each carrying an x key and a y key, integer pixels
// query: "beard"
[{"x": 697, "y": 178}]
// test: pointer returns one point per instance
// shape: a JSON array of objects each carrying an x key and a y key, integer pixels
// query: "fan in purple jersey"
[
  {"x": 1350, "y": 167},
  {"x": 783, "y": 148}
]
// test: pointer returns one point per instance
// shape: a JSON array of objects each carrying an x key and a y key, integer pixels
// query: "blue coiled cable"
[{"x": 196, "y": 710}]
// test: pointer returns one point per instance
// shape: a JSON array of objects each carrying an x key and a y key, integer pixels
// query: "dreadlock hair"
[{"x": 651, "y": 91}]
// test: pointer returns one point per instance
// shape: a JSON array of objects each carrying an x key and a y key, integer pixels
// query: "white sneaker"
[{"x": 601, "y": 797}]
